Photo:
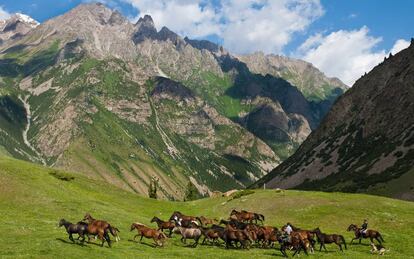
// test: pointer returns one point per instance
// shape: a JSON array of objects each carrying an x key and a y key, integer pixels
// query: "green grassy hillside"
[{"x": 34, "y": 198}]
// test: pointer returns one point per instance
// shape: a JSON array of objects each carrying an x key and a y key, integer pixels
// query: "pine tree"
[
  {"x": 152, "y": 189},
  {"x": 191, "y": 193}
]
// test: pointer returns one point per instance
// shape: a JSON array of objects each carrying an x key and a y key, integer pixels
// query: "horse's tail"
[
  {"x": 343, "y": 240},
  {"x": 380, "y": 236},
  {"x": 262, "y": 217}
]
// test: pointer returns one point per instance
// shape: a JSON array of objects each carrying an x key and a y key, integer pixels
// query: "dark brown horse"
[
  {"x": 369, "y": 233},
  {"x": 79, "y": 229},
  {"x": 150, "y": 233},
  {"x": 164, "y": 225},
  {"x": 231, "y": 234},
  {"x": 99, "y": 228},
  {"x": 323, "y": 239},
  {"x": 212, "y": 234}
]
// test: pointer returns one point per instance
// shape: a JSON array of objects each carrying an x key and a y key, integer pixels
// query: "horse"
[
  {"x": 184, "y": 221},
  {"x": 79, "y": 229},
  {"x": 113, "y": 230},
  {"x": 212, "y": 234},
  {"x": 189, "y": 233},
  {"x": 206, "y": 221},
  {"x": 293, "y": 241},
  {"x": 177, "y": 215},
  {"x": 329, "y": 239},
  {"x": 369, "y": 233},
  {"x": 245, "y": 216},
  {"x": 163, "y": 225},
  {"x": 304, "y": 235},
  {"x": 234, "y": 223},
  {"x": 231, "y": 234},
  {"x": 267, "y": 235},
  {"x": 98, "y": 227},
  {"x": 144, "y": 231}
]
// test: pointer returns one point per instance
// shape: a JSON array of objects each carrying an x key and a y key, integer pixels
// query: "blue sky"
[{"x": 342, "y": 38}]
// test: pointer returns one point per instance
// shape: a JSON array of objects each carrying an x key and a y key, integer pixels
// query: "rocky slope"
[
  {"x": 92, "y": 92},
  {"x": 308, "y": 79},
  {"x": 366, "y": 142}
]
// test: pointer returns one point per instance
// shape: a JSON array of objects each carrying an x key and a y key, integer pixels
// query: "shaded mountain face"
[
  {"x": 314, "y": 85},
  {"x": 366, "y": 142},
  {"x": 92, "y": 92}
]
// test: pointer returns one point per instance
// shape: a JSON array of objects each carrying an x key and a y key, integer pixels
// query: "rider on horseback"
[{"x": 364, "y": 227}]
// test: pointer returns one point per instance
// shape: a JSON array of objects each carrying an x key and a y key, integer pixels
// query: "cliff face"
[
  {"x": 92, "y": 92},
  {"x": 366, "y": 141}
]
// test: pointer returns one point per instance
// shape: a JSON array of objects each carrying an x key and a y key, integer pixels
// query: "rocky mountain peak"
[
  {"x": 146, "y": 21},
  {"x": 16, "y": 26}
]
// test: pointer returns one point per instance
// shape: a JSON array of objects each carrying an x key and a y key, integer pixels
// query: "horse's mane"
[{"x": 139, "y": 224}]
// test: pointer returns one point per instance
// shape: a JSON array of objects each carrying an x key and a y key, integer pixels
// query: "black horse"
[{"x": 80, "y": 229}]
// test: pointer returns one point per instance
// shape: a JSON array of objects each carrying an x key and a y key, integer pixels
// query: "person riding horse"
[
  {"x": 288, "y": 228},
  {"x": 364, "y": 227}
]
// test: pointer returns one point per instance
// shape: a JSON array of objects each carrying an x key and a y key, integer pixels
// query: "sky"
[{"x": 343, "y": 38}]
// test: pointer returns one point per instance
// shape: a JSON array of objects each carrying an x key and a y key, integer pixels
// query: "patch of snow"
[{"x": 27, "y": 19}]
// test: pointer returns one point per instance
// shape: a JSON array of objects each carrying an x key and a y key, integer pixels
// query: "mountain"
[
  {"x": 42, "y": 196},
  {"x": 366, "y": 141},
  {"x": 16, "y": 26},
  {"x": 314, "y": 85},
  {"x": 90, "y": 91}
]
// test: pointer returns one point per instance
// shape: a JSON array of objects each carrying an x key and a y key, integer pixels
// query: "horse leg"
[
  {"x": 379, "y": 241},
  {"x": 320, "y": 248},
  {"x": 71, "y": 237},
  {"x": 107, "y": 238},
  {"x": 282, "y": 250},
  {"x": 141, "y": 238},
  {"x": 324, "y": 247},
  {"x": 170, "y": 233},
  {"x": 360, "y": 239},
  {"x": 136, "y": 236},
  {"x": 196, "y": 241}
]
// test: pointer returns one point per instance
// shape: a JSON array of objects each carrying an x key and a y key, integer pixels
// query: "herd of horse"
[{"x": 243, "y": 229}]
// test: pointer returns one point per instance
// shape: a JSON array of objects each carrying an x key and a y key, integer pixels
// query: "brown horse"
[
  {"x": 246, "y": 216},
  {"x": 144, "y": 231},
  {"x": 164, "y": 225},
  {"x": 266, "y": 235},
  {"x": 323, "y": 239},
  {"x": 206, "y": 221},
  {"x": 305, "y": 235},
  {"x": 291, "y": 242},
  {"x": 369, "y": 233},
  {"x": 231, "y": 234},
  {"x": 212, "y": 234},
  {"x": 99, "y": 228}
]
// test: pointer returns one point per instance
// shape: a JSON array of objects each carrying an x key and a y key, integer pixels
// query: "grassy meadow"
[{"x": 34, "y": 198}]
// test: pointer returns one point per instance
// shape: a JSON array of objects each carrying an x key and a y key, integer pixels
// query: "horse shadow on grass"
[
  {"x": 142, "y": 243},
  {"x": 72, "y": 243}
]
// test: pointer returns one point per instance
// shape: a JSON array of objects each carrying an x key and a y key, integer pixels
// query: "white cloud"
[
  {"x": 345, "y": 54},
  {"x": 244, "y": 25},
  {"x": 3, "y": 14},
  {"x": 399, "y": 45}
]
